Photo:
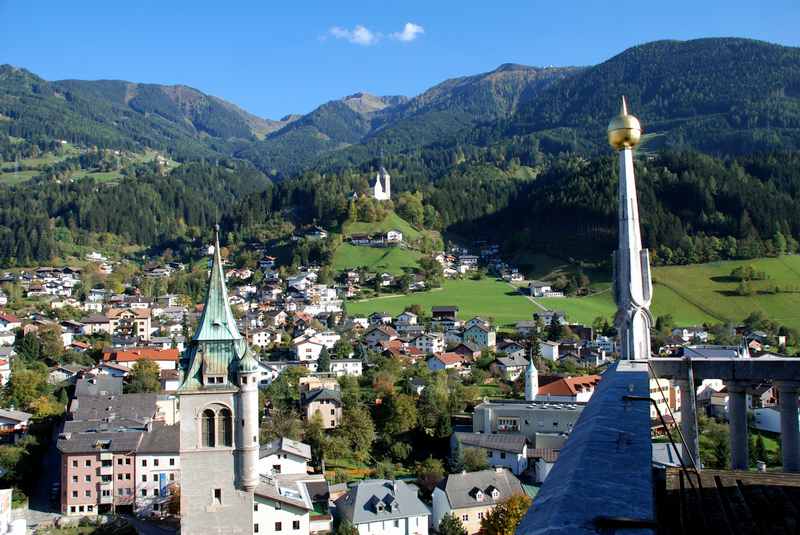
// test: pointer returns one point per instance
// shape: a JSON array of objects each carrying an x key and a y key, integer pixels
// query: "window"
[
  {"x": 90, "y": 508},
  {"x": 119, "y": 477},
  {"x": 226, "y": 427},
  {"x": 502, "y": 455},
  {"x": 155, "y": 462},
  {"x": 74, "y": 479},
  {"x": 128, "y": 460},
  {"x": 480, "y": 516},
  {"x": 155, "y": 478},
  {"x": 208, "y": 432},
  {"x": 464, "y": 517},
  {"x": 255, "y": 507},
  {"x": 296, "y": 524},
  {"x": 144, "y": 462},
  {"x": 74, "y": 464},
  {"x": 278, "y": 526},
  {"x": 128, "y": 477},
  {"x": 80, "y": 508},
  {"x": 119, "y": 491},
  {"x": 396, "y": 524},
  {"x": 119, "y": 461},
  {"x": 218, "y": 496},
  {"x": 144, "y": 492},
  {"x": 171, "y": 461},
  {"x": 172, "y": 477},
  {"x": 255, "y": 528},
  {"x": 87, "y": 493},
  {"x": 155, "y": 492},
  {"x": 144, "y": 479},
  {"x": 71, "y": 508},
  {"x": 88, "y": 463},
  {"x": 489, "y": 454},
  {"x": 88, "y": 479},
  {"x": 74, "y": 493}
]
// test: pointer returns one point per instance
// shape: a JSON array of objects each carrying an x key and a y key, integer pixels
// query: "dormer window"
[
  {"x": 479, "y": 495},
  {"x": 495, "y": 494},
  {"x": 215, "y": 379}
]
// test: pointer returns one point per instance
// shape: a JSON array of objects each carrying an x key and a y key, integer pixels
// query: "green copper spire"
[
  {"x": 217, "y": 321},
  {"x": 217, "y": 349}
]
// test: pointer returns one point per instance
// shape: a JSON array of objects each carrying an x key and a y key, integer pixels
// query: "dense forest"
[{"x": 516, "y": 155}]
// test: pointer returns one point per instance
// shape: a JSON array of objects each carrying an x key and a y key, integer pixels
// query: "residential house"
[
  {"x": 130, "y": 322},
  {"x": 445, "y": 317},
  {"x": 13, "y": 425},
  {"x": 576, "y": 389},
  {"x": 503, "y": 450},
  {"x": 378, "y": 318},
  {"x": 549, "y": 350},
  {"x": 379, "y": 333},
  {"x": 691, "y": 334},
  {"x": 447, "y": 361},
  {"x": 283, "y": 456},
  {"x": 167, "y": 359},
  {"x": 543, "y": 289},
  {"x": 480, "y": 335},
  {"x": 9, "y": 322},
  {"x": 325, "y": 402},
  {"x": 307, "y": 348},
  {"x": 158, "y": 468},
  {"x": 385, "y": 507},
  {"x": 512, "y": 348},
  {"x": 476, "y": 321},
  {"x": 406, "y": 318},
  {"x": 350, "y": 367},
  {"x": 287, "y": 503},
  {"x": 429, "y": 343},
  {"x": 467, "y": 349},
  {"x": 471, "y": 496},
  {"x": 510, "y": 366}
]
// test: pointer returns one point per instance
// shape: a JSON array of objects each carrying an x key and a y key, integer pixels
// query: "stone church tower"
[
  {"x": 531, "y": 381},
  {"x": 218, "y": 399},
  {"x": 382, "y": 188}
]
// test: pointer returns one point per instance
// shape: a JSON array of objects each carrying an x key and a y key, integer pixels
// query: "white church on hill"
[{"x": 382, "y": 188}]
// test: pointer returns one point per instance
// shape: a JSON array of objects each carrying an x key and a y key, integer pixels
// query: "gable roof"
[
  {"x": 449, "y": 358},
  {"x": 461, "y": 489},
  {"x": 161, "y": 439},
  {"x": 283, "y": 444},
  {"x": 361, "y": 503},
  {"x": 511, "y": 442},
  {"x": 570, "y": 386},
  {"x": 140, "y": 353}
]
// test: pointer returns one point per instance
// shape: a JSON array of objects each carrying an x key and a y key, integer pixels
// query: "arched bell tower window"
[
  {"x": 208, "y": 431},
  {"x": 225, "y": 427}
]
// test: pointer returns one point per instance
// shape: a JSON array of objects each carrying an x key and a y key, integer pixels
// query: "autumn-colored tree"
[
  {"x": 506, "y": 516},
  {"x": 145, "y": 377}
]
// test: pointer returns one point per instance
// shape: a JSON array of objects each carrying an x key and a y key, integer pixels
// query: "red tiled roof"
[
  {"x": 569, "y": 386},
  {"x": 449, "y": 358},
  {"x": 140, "y": 353},
  {"x": 10, "y": 318}
]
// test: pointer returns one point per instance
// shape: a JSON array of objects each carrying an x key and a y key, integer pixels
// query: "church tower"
[
  {"x": 218, "y": 399},
  {"x": 633, "y": 288},
  {"x": 531, "y": 381},
  {"x": 382, "y": 189}
]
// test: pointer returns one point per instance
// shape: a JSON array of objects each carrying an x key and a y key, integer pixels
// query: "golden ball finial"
[{"x": 624, "y": 130}]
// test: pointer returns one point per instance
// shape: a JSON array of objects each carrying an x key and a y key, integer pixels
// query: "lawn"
[
  {"x": 377, "y": 259},
  {"x": 392, "y": 221},
  {"x": 486, "y": 298},
  {"x": 708, "y": 288}
]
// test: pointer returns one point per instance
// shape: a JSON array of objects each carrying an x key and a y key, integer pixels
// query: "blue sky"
[{"x": 274, "y": 57}]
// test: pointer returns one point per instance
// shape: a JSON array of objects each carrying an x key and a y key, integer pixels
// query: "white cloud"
[
  {"x": 360, "y": 35},
  {"x": 409, "y": 33}
]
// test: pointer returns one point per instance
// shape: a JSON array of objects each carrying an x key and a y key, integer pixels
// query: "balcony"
[{"x": 605, "y": 482}]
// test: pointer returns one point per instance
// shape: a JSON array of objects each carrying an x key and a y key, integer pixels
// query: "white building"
[
  {"x": 382, "y": 187},
  {"x": 549, "y": 350},
  {"x": 380, "y": 506},
  {"x": 284, "y": 456},
  {"x": 351, "y": 367},
  {"x": 158, "y": 468},
  {"x": 429, "y": 343}
]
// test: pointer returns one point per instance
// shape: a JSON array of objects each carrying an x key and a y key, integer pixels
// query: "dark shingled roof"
[
  {"x": 462, "y": 489},
  {"x": 511, "y": 442},
  {"x": 100, "y": 385},
  {"x": 162, "y": 439},
  {"x": 322, "y": 394}
]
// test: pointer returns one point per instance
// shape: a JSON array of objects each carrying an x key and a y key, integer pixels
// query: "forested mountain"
[{"x": 716, "y": 95}]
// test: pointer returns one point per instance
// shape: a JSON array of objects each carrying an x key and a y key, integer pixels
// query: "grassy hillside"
[
  {"x": 486, "y": 298},
  {"x": 392, "y": 221},
  {"x": 693, "y": 295},
  {"x": 390, "y": 259}
]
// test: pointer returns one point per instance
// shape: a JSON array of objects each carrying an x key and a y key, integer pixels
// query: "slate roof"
[
  {"x": 161, "y": 439},
  {"x": 511, "y": 442},
  {"x": 283, "y": 444},
  {"x": 118, "y": 442},
  {"x": 100, "y": 385},
  {"x": 275, "y": 488},
  {"x": 512, "y": 361},
  {"x": 134, "y": 406},
  {"x": 322, "y": 394},
  {"x": 369, "y": 500},
  {"x": 18, "y": 416},
  {"x": 462, "y": 489}
]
